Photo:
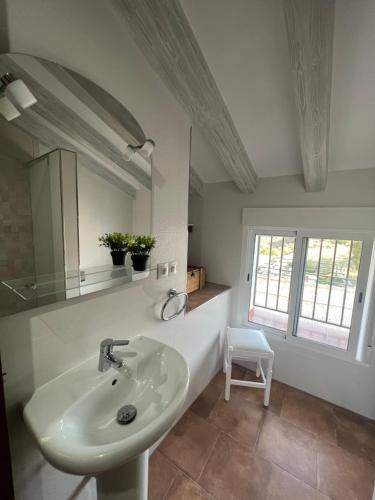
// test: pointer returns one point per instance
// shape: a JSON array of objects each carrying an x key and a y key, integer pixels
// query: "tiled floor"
[{"x": 300, "y": 448}]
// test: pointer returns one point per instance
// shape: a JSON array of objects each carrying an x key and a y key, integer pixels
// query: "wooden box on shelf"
[
  {"x": 196, "y": 278},
  {"x": 202, "y": 277}
]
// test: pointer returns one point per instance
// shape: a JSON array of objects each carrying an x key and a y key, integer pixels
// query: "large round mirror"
[{"x": 75, "y": 165}]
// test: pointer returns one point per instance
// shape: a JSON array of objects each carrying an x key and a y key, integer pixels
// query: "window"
[
  {"x": 328, "y": 291},
  {"x": 273, "y": 272},
  {"x": 309, "y": 285}
]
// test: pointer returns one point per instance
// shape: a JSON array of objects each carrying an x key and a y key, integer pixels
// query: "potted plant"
[
  {"x": 140, "y": 248},
  {"x": 118, "y": 243}
]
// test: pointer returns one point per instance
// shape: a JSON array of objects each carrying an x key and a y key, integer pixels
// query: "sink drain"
[{"x": 126, "y": 414}]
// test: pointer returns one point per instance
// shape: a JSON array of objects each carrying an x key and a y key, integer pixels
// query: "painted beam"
[
  {"x": 56, "y": 122},
  {"x": 35, "y": 127},
  {"x": 309, "y": 26},
  {"x": 196, "y": 185},
  {"x": 163, "y": 33}
]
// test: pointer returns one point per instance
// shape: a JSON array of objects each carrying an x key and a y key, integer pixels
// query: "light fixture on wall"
[
  {"x": 144, "y": 149},
  {"x": 14, "y": 94}
]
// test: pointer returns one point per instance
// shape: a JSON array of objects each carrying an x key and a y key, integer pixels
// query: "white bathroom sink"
[{"x": 73, "y": 417}]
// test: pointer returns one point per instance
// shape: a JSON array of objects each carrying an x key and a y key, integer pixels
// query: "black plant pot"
[
  {"x": 139, "y": 262},
  {"x": 118, "y": 257}
]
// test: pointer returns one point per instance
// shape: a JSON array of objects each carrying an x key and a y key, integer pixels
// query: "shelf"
[
  {"x": 73, "y": 283},
  {"x": 205, "y": 294}
]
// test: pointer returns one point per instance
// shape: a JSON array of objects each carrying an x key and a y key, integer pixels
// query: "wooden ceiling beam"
[
  {"x": 309, "y": 26},
  {"x": 164, "y": 35}
]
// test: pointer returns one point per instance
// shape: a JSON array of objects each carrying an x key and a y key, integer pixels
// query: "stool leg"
[
  {"x": 268, "y": 383},
  {"x": 257, "y": 374},
  {"x": 225, "y": 357},
  {"x": 228, "y": 375}
]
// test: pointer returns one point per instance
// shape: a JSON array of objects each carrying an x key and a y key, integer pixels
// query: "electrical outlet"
[
  {"x": 173, "y": 267},
  {"x": 163, "y": 270}
]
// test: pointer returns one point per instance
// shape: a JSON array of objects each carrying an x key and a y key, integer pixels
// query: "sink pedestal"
[{"x": 128, "y": 482}]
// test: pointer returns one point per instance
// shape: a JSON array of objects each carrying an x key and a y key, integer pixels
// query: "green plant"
[
  {"x": 115, "y": 241},
  {"x": 141, "y": 245}
]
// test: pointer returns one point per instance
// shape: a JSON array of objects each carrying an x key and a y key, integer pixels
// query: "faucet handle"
[
  {"x": 119, "y": 342},
  {"x": 107, "y": 357},
  {"x": 107, "y": 344}
]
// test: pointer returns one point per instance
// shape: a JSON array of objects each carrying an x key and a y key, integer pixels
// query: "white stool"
[{"x": 247, "y": 344}]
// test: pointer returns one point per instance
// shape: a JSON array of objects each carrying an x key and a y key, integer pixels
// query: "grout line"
[
  {"x": 260, "y": 428},
  {"x": 199, "y": 485},
  {"x": 317, "y": 468},
  {"x": 295, "y": 477},
  {"x": 208, "y": 457},
  {"x": 170, "y": 486}
]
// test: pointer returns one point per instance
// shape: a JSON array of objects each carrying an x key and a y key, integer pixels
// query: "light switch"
[
  {"x": 163, "y": 270},
  {"x": 173, "y": 267}
]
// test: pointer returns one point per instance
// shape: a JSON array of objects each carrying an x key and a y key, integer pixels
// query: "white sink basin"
[{"x": 73, "y": 417}]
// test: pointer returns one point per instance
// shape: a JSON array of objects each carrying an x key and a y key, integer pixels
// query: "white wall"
[
  {"x": 39, "y": 344},
  {"x": 102, "y": 208},
  {"x": 195, "y": 237},
  {"x": 142, "y": 212},
  {"x": 205, "y": 160},
  {"x": 346, "y": 384}
]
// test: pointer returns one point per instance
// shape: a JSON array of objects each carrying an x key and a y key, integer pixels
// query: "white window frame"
[{"x": 247, "y": 274}]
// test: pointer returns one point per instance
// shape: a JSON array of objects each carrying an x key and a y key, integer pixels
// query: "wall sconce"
[
  {"x": 15, "y": 93},
  {"x": 144, "y": 149}
]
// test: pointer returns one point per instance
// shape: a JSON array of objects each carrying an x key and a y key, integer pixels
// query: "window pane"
[
  {"x": 273, "y": 261},
  {"x": 329, "y": 286}
]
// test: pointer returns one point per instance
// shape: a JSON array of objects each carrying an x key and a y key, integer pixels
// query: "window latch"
[{"x": 360, "y": 297}]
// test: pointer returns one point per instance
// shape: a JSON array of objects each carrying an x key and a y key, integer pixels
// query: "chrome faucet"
[{"x": 106, "y": 356}]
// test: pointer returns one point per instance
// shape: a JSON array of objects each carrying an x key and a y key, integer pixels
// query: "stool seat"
[
  {"x": 248, "y": 344},
  {"x": 248, "y": 339}
]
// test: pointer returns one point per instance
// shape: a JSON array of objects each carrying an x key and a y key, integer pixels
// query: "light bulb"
[
  {"x": 129, "y": 152},
  {"x": 147, "y": 148},
  {"x": 7, "y": 109}
]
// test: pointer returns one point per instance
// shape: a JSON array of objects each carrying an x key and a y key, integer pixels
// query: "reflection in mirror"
[{"x": 74, "y": 165}]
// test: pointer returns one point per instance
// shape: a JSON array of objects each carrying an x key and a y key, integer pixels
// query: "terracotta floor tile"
[
  {"x": 342, "y": 475},
  {"x": 289, "y": 447},
  {"x": 190, "y": 443},
  {"x": 204, "y": 404},
  {"x": 184, "y": 488},
  {"x": 238, "y": 372},
  {"x": 234, "y": 473},
  {"x": 238, "y": 418},
  {"x": 309, "y": 413},
  {"x": 284, "y": 486},
  {"x": 355, "y": 433},
  {"x": 257, "y": 395},
  {"x": 161, "y": 475}
]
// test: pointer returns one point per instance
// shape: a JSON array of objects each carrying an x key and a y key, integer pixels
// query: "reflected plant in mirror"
[
  {"x": 118, "y": 243},
  {"x": 65, "y": 179},
  {"x": 140, "y": 248}
]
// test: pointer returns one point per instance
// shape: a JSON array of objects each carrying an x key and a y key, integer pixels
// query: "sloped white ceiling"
[
  {"x": 245, "y": 45},
  {"x": 204, "y": 159},
  {"x": 352, "y": 138}
]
